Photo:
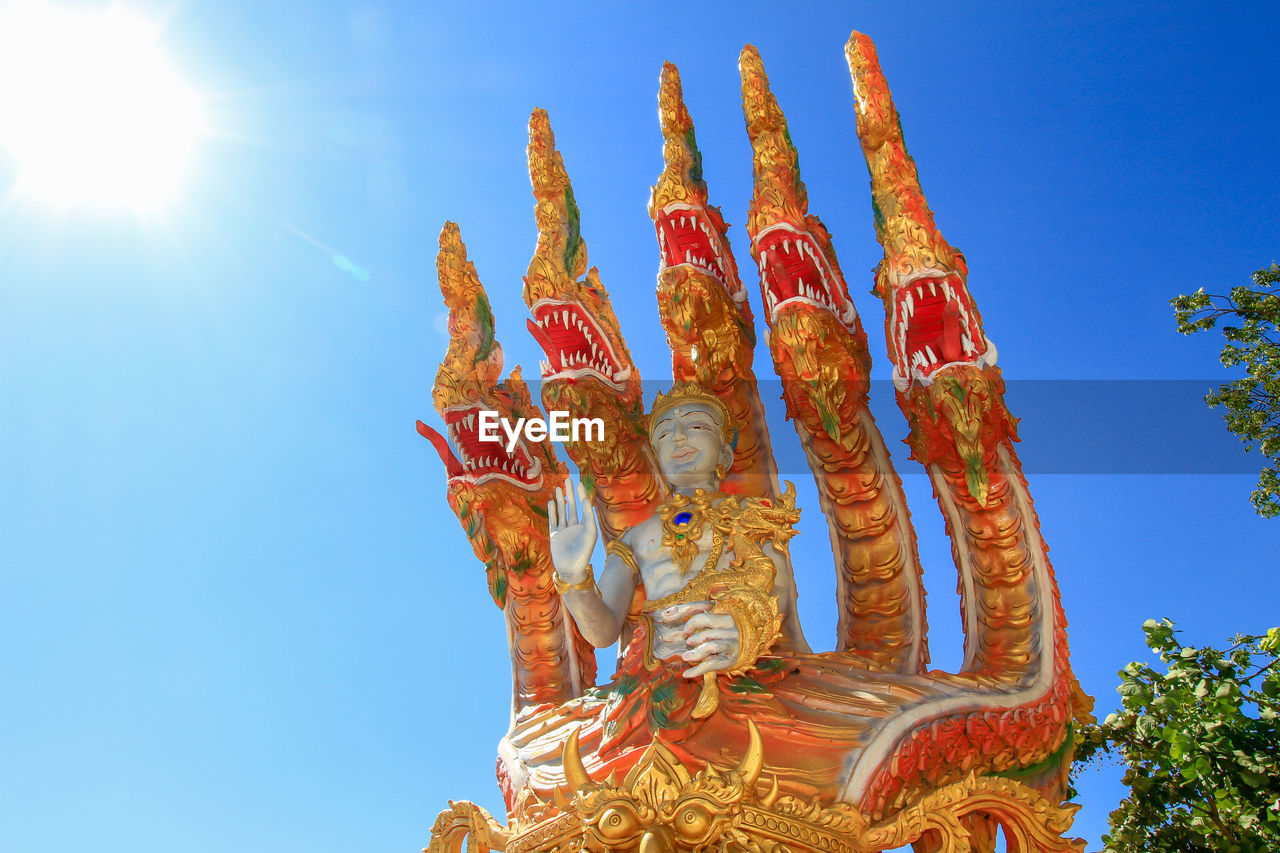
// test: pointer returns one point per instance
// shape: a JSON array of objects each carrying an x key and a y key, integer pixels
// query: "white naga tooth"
[
  {"x": 688, "y": 256},
  {"x": 911, "y": 305},
  {"x": 786, "y": 246},
  {"x": 932, "y": 290},
  {"x": 929, "y": 350}
]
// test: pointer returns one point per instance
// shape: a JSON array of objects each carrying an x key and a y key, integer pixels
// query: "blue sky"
[{"x": 235, "y": 610}]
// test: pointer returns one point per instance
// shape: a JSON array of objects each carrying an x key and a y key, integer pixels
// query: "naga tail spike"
[
  {"x": 904, "y": 222},
  {"x": 471, "y": 326},
  {"x": 681, "y": 179},
  {"x": 561, "y": 256},
  {"x": 779, "y": 192}
]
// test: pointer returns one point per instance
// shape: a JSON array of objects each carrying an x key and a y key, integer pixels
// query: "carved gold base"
[{"x": 661, "y": 808}]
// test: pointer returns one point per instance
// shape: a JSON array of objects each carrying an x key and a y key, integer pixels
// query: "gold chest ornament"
[{"x": 744, "y": 588}]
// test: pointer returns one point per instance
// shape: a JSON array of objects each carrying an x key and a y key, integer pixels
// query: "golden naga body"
[{"x": 861, "y": 749}]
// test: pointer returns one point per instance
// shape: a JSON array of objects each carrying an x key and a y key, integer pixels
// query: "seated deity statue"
[{"x": 718, "y": 588}]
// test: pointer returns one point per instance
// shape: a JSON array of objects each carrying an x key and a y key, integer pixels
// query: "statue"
[
  {"x": 700, "y": 543},
  {"x": 721, "y": 729}
]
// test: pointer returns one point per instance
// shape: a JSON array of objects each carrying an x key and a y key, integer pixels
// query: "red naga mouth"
[
  {"x": 934, "y": 325},
  {"x": 794, "y": 271},
  {"x": 575, "y": 345},
  {"x": 478, "y": 460},
  {"x": 689, "y": 234}
]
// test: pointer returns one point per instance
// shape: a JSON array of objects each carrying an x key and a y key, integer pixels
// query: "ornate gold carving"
[
  {"x": 681, "y": 537},
  {"x": 691, "y": 392},
  {"x": 743, "y": 589},
  {"x": 624, "y": 553},
  {"x": 662, "y": 806},
  {"x": 562, "y": 586},
  {"x": 465, "y": 822}
]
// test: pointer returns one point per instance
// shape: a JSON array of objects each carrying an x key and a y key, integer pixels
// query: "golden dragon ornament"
[{"x": 860, "y": 749}]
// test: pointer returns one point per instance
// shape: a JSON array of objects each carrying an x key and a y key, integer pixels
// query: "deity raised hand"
[
  {"x": 862, "y": 748},
  {"x": 572, "y": 538}
]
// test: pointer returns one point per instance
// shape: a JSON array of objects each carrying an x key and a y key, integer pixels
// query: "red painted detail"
[
  {"x": 451, "y": 463},
  {"x": 683, "y": 238},
  {"x": 572, "y": 340},
  {"x": 940, "y": 319},
  {"x": 477, "y": 456}
]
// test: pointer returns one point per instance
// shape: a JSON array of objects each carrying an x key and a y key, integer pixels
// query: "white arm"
[
  {"x": 600, "y": 610},
  {"x": 599, "y": 614}
]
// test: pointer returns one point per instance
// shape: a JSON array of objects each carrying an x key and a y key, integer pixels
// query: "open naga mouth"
[
  {"x": 686, "y": 235},
  {"x": 479, "y": 461},
  {"x": 933, "y": 326},
  {"x": 794, "y": 270},
  {"x": 575, "y": 345}
]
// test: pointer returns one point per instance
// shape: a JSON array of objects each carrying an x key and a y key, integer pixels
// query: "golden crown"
[{"x": 686, "y": 392}]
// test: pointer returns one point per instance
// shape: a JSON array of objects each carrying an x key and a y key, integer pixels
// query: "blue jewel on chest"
[{"x": 683, "y": 517}]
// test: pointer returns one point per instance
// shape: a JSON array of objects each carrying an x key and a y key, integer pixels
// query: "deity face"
[{"x": 690, "y": 446}]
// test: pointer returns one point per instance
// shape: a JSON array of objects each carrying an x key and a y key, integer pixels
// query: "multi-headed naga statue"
[{"x": 721, "y": 730}]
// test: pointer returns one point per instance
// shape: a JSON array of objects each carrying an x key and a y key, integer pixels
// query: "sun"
[{"x": 91, "y": 111}]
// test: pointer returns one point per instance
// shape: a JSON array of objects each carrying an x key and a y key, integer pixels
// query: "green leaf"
[{"x": 1197, "y": 741}]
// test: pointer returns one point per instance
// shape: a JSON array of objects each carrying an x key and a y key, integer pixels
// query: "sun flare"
[{"x": 91, "y": 111}]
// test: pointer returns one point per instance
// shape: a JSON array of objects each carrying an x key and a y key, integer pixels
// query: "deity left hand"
[{"x": 700, "y": 637}]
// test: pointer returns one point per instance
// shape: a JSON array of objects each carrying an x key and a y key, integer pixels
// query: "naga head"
[
  {"x": 468, "y": 392},
  {"x": 572, "y": 319},
  {"x": 798, "y": 266},
  {"x": 931, "y": 321},
  {"x": 816, "y": 338},
  {"x": 691, "y": 233}
]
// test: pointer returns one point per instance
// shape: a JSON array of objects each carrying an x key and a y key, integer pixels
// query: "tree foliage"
[
  {"x": 1200, "y": 744},
  {"x": 1252, "y": 341}
]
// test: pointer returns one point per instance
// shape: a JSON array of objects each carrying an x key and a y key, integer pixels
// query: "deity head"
[{"x": 692, "y": 435}]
